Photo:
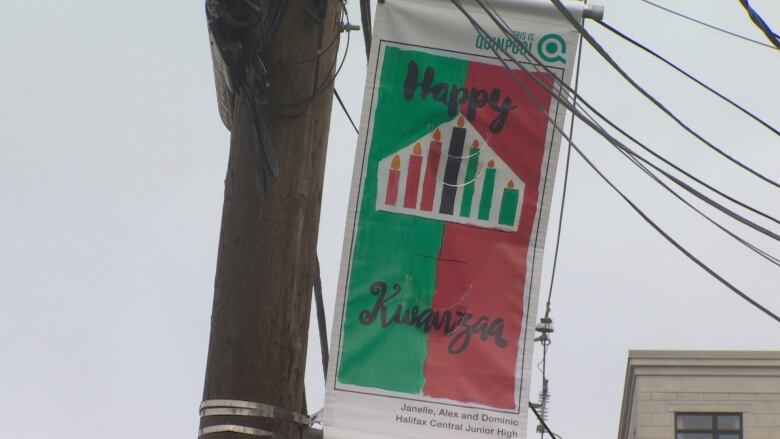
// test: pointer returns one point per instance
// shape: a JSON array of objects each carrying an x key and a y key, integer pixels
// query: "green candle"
[
  {"x": 486, "y": 199},
  {"x": 471, "y": 172},
  {"x": 506, "y": 215}
]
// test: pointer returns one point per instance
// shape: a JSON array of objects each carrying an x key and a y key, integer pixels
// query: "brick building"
[{"x": 701, "y": 395}]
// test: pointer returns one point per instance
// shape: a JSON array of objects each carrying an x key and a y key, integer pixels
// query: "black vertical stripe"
[{"x": 452, "y": 170}]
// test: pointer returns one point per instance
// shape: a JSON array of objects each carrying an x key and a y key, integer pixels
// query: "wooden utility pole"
[{"x": 267, "y": 247}]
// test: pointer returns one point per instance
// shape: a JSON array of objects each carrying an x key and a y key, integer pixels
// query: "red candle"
[
  {"x": 413, "y": 177},
  {"x": 392, "y": 181},
  {"x": 431, "y": 171}
]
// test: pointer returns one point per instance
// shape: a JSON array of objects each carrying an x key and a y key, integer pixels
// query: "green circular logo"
[{"x": 552, "y": 48}]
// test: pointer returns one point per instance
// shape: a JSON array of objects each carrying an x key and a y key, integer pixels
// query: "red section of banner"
[{"x": 482, "y": 272}]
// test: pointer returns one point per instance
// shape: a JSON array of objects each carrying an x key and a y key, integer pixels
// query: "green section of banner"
[{"x": 394, "y": 248}]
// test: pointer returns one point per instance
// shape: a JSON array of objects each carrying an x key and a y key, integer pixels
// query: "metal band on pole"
[
  {"x": 249, "y": 431},
  {"x": 232, "y": 407}
]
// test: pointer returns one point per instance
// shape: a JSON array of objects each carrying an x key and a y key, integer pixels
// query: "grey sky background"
[{"x": 112, "y": 160}]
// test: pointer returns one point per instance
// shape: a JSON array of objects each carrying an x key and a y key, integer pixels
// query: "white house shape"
[{"x": 504, "y": 183}]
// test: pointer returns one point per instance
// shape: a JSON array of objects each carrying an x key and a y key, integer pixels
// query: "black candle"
[{"x": 452, "y": 169}]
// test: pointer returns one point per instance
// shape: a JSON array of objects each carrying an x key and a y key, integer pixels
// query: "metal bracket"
[{"x": 349, "y": 27}]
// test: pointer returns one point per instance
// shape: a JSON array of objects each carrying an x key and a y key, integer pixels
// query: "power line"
[
  {"x": 590, "y": 121},
  {"x": 320, "y": 306},
  {"x": 663, "y": 8},
  {"x": 525, "y": 89},
  {"x": 530, "y": 57},
  {"x": 544, "y": 395},
  {"x": 632, "y": 156},
  {"x": 365, "y": 21},
  {"x": 565, "y": 185},
  {"x": 677, "y": 245},
  {"x": 689, "y": 188},
  {"x": 592, "y": 41},
  {"x": 758, "y": 21},
  {"x": 458, "y": 4},
  {"x": 635, "y": 158},
  {"x": 688, "y": 75},
  {"x": 344, "y": 107}
]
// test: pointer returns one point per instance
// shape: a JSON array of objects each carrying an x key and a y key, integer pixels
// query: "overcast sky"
[{"x": 112, "y": 160}]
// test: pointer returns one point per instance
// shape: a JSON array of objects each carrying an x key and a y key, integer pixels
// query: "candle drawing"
[
  {"x": 506, "y": 215},
  {"x": 452, "y": 169},
  {"x": 431, "y": 169},
  {"x": 486, "y": 199},
  {"x": 413, "y": 170},
  {"x": 471, "y": 174},
  {"x": 391, "y": 197}
]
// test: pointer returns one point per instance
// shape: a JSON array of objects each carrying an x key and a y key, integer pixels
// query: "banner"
[{"x": 434, "y": 322}]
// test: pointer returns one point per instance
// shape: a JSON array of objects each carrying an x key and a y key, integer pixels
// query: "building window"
[{"x": 708, "y": 426}]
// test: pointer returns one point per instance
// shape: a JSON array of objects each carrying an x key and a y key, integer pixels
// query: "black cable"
[
  {"x": 321, "y": 325},
  {"x": 614, "y": 142},
  {"x": 639, "y": 211},
  {"x": 592, "y": 41},
  {"x": 493, "y": 14},
  {"x": 760, "y": 23},
  {"x": 545, "y": 340},
  {"x": 536, "y": 103},
  {"x": 505, "y": 29},
  {"x": 663, "y": 8},
  {"x": 594, "y": 125},
  {"x": 686, "y": 173},
  {"x": 689, "y": 76},
  {"x": 343, "y": 107},
  {"x": 709, "y": 200},
  {"x": 365, "y": 21},
  {"x": 565, "y": 185},
  {"x": 687, "y": 187},
  {"x": 633, "y": 157},
  {"x": 676, "y": 244}
]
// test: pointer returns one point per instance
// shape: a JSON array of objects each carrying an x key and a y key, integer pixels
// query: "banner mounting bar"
[{"x": 594, "y": 12}]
